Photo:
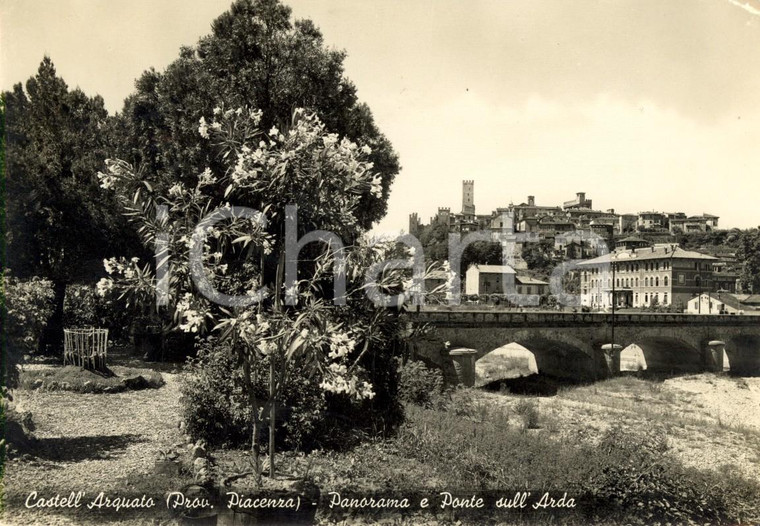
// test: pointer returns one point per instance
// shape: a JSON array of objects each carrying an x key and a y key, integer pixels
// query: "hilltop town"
[
  {"x": 653, "y": 270},
  {"x": 576, "y": 215}
]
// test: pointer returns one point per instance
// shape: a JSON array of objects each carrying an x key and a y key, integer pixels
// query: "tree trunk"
[
  {"x": 255, "y": 447},
  {"x": 51, "y": 341}
]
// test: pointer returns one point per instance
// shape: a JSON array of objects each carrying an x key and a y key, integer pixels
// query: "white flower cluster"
[
  {"x": 192, "y": 319},
  {"x": 376, "y": 187},
  {"x": 351, "y": 386},
  {"x": 176, "y": 190},
  {"x": 341, "y": 345},
  {"x": 203, "y": 128},
  {"x": 115, "y": 170},
  {"x": 121, "y": 266},
  {"x": 206, "y": 178},
  {"x": 338, "y": 379},
  {"x": 104, "y": 286}
]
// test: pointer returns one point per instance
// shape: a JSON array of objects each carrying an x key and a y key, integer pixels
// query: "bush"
[
  {"x": 84, "y": 307},
  {"x": 528, "y": 409},
  {"x": 419, "y": 384},
  {"x": 216, "y": 408},
  {"x": 634, "y": 475},
  {"x": 28, "y": 306}
]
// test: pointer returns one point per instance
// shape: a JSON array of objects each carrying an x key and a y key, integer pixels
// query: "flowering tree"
[{"x": 210, "y": 255}]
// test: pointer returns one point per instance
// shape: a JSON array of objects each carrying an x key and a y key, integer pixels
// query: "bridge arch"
[
  {"x": 667, "y": 354},
  {"x": 743, "y": 351},
  {"x": 548, "y": 352}
]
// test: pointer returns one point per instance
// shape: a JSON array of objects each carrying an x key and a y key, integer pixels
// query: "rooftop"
[
  {"x": 526, "y": 280},
  {"x": 643, "y": 254},
  {"x": 493, "y": 269}
]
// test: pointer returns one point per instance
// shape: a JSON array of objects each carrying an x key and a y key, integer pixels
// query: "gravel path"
[{"x": 90, "y": 443}]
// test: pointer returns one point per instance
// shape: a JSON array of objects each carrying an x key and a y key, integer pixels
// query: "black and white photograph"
[{"x": 394, "y": 262}]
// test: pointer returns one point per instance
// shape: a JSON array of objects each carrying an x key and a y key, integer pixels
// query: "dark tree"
[
  {"x": 58, "y": 218},
  {"x": 255, "y": 57},
  {"x": 748, "y": 256},
  {"x": 481, "y": 253}
]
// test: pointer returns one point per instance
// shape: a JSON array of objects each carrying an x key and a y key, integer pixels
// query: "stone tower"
[
  {"x": 468, "y": 197},
  {"x": 414, "y": 224}
]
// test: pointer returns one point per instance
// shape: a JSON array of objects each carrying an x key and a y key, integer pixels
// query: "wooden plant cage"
[{"x": 86, "y": 348}]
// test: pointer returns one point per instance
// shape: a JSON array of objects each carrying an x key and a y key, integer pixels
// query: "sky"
[{"x": 641, "y": 104}]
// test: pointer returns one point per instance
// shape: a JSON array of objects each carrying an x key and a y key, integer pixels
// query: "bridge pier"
[
  {"x": 611, "y": 356},
  {"x": 464, "y": 365},
  {"x": 714, "y": 356}
]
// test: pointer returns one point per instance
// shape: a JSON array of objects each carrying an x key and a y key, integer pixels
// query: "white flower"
[
  {"x": 206, "y": 177},
  {"x": 366, "y": 149},
  {"x": 106, "y": 180},
  {"x": 255, "y": 116},
  {"x": 104, "y": 286},
  {"x": 266, "y": 347},
  {"x": 192, "y": 321},
  {"x": 176, "y": 190},
  {"x": 217, "y": 110},
  {"x": 376, "y": 187},
  {"x": 111, "y": 265},
  {"x": 340, "y": 345},
  {"x": 203, "y": 128},
  {"x": 267, "y": 247},
  {"x": 274, "y": 132}
]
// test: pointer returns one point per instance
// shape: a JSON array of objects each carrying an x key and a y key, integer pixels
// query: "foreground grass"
[{"x": 625, "y": 476}]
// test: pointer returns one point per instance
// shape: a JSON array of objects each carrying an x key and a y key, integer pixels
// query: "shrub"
[
  {"x": 28, "y": 306},
  {"x": 215, "y": 407},
  {"x": 633, "y": 474},
  {"x": 528, "y": 409},
  {"x": 419, "y": 384},
  {"x": 84, "y": 307}
]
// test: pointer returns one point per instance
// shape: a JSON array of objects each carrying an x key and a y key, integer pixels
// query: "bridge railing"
[{"x": 480, "y": 318}]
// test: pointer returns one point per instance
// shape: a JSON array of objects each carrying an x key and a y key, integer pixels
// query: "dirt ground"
[
  {"x": 90, "y": 443},
  {"x": 712, "y": 421}
]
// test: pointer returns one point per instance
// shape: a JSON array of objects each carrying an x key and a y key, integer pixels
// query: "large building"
[{"x": 642, "y": 277}]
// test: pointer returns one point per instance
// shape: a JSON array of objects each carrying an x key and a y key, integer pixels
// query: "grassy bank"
[{"x": 624, "y": 474}]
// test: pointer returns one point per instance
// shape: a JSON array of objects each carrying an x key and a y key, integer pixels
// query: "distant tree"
[
  {"x": 538, "y": 256},
  {"x": 748, "y": 255},
  {"x": 57, "y": 215},
  {"x": 481, "y": 253},
  {"x": 255, "y": 57},
  {"x": 435, "y": 242}
]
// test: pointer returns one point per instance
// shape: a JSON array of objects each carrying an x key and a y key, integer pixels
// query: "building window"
[
  {"x": 646, "y": 281},
  {"x": 665, "y": 299},
  {"x": 665, "y": 281},
  {"x": 657, "y": 281},
  {"x": 637, "y": 282},
  {"x": 681, "y": 279},
  {"x": 646, "y": 299}
]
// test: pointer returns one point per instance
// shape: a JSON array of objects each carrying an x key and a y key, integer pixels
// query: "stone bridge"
[{"x": 570, "y": 344}]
